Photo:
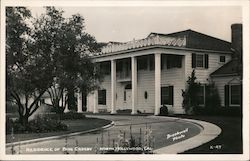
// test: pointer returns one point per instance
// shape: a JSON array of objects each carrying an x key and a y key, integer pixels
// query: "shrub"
[
  {"x": 164, "y": 110},
  {"x": 190, "y": 101},
  {"x": 124, "y": 111},
  {"x": 72, "y": 115},
  {"x": 39, "y": 125}
]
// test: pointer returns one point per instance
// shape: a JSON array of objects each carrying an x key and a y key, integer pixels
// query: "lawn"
[
  {"x": 73, "y": 126},
  {"x": 228, "y": 142}
]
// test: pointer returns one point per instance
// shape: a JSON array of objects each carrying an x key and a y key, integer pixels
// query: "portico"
[
  {"x": 136, "y": 64},
  {"x": 133, "y": 80}
]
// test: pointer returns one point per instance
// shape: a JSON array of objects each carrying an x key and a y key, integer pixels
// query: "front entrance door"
[{"x": 128, "y": 99}]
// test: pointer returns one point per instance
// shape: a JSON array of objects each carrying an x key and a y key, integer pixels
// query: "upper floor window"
[
  {"x": 105, "y": 67},
  {"x": 171, "y": 61},
  {"x": 142, "y": 63},
  {"x": 200, "y": 60},
  {"x": 222, "y": 59}
]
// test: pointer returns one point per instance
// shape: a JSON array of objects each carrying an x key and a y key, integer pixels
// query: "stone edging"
[
  {"x": 59, "y": 136},
  {"x": 208, "y": 132}
]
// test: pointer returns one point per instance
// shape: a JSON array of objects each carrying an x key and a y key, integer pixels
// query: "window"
[
  {"x": 124, "y": 96},
  {"x": 167, "y": 95},
  {"x": 151, "y": 62},
  {"x": 105, "y": 67},
  {"x": 102, "y": 97},
  {"x": 222, "y": 59},
  {"x": 200, "y": 60},
  {"x": 201, "y": 95},
  {"x": 142, "y": 63},
  {"x": 235, "y": 94}
]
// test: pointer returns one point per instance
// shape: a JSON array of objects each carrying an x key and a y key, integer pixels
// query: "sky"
[{"x": 127, "y": 23}]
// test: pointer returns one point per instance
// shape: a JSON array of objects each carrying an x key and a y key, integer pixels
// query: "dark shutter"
[
  {"x": 226, "y": 90},
  {"x": 171, "y": 95},
  {"x": 193, "y": 60},
  {"x": 206, "y": 61}
]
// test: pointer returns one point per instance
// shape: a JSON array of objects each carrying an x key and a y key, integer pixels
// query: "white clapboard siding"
[
  {"x": 204, "y": 74},
  {"x": 176, "y": 77},
  {"x": 220, "y": 82}
]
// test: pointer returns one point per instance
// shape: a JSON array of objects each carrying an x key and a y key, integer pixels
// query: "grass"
[
  {"x": 228, "y": 142},
  {"x": 73, "y": 126}
]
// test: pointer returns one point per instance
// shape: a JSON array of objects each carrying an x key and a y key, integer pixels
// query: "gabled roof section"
[
  {"x": 197, "y": 40},
  {"x": 230, "y": 68}
]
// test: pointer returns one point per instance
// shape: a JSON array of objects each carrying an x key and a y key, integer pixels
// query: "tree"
[
  {"x": 212, "y": 99},
  {"x": 69, "y": 48},
  {"x": 190, "y": 100},
  {"x": 28, "y": 72}
]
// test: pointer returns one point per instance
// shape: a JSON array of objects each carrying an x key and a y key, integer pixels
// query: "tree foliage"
[
  {"x": 69, "y": 48},
  {"x": 49, "y": 54},
  {"x": 27, "y": 73},
  {"x": 190, "y": 100}
]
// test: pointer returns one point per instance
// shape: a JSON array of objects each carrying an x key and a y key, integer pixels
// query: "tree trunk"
[{"x": 24, "y": 120}]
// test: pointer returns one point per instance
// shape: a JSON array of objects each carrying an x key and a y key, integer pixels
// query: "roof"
[
  {"x": 184, "y": 39},
  {"x": 230, "y": 68},
  {"x": 197, "y": 40}
]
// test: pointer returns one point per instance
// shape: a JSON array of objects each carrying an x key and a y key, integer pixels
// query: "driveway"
[{"x": 164, "y": 131}]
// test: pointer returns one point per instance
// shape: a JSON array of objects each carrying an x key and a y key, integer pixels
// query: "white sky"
[{"x": 128, "y": 23}]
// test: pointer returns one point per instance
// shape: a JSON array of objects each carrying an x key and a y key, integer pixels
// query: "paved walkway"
[{"x": 166, "y": 132}]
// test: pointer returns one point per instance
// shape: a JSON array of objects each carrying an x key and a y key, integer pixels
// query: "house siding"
[
  {"x": 220, "y": 82},
  {"x": 175, "y": 77},
  {"x": 203, "y": 74}
]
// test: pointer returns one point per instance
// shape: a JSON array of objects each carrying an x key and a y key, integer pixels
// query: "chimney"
[{"x": 237, "y": 41}]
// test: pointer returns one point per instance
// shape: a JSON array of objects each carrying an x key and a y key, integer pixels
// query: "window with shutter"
[
  {"x": 200, "y": 60},
  {"x": 102, "y": 97},
  {"x": 167, "y": 95},
  {"x": 235, "y": 95}
]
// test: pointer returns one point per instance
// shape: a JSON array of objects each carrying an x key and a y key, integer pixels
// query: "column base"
[
  {"x": 113, "y": 112},
  {"x": 133, "y": 113},
  {"x": 66, "y": 110}
]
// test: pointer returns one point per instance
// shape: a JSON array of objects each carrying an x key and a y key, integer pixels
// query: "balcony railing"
[
  {"x": 123, "y": 76},
  {"x": 149, "y": 41}
]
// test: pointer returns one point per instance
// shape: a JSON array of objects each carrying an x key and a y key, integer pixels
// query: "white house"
[
  {"x": 228, "y": 78},
  {"x": 141, "y": 75}
]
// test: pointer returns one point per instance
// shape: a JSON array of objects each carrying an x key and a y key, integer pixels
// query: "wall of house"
[
  {"x": 176, "y": 77},
  {"x": 220, "y": 82},
  {"x": 203, "y": 74}
]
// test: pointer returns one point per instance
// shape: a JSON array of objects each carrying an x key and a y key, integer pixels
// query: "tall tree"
[
  {"x": 69, "y": 47},
  {"x": 28, "y": 74}
]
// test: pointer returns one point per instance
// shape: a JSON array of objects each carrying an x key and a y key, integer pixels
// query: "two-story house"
[{"x": 141, "y": 75}]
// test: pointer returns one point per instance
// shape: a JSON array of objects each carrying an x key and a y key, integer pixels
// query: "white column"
[
  {"x": 66, "y": 103},
  {"x": 113, "y": 86},
  {"x": 79, "y": 102},
  {"x": 157, "y": 83},
  {"x": 95, "y": 98},
  {"x": 134, "y": 84}
]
